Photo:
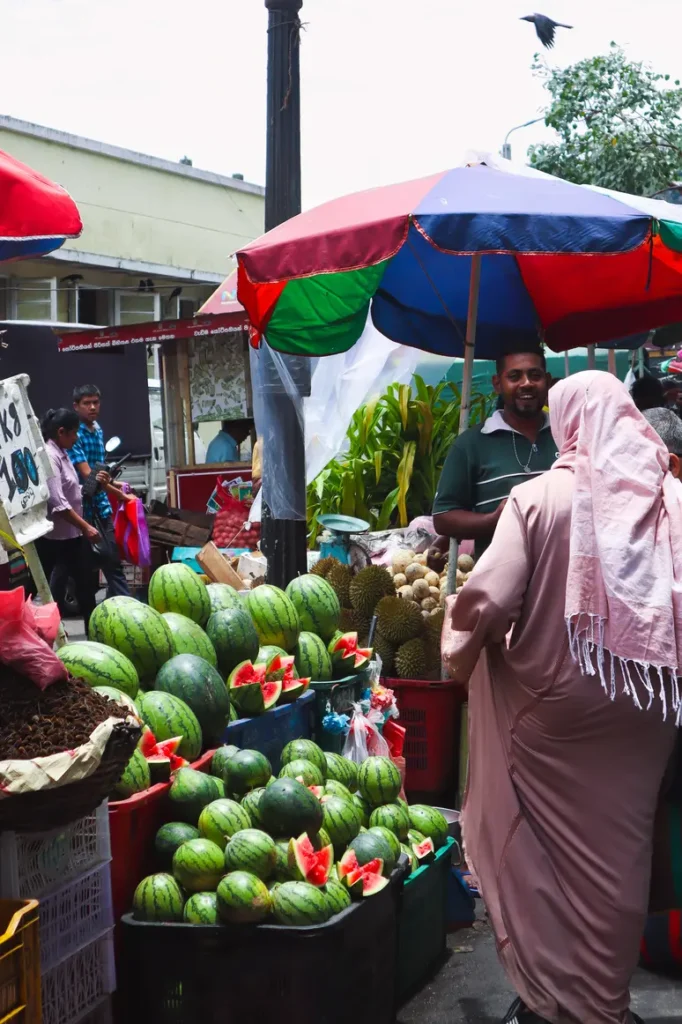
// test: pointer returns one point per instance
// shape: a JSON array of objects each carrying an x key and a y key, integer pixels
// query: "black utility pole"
[{"x": 284, "y": 540}]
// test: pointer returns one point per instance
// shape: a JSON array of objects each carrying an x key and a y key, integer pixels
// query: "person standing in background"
[
  {"x": 89, "y": 449},
  {"x": 225, "y": 445},
  {"x": 66, "y": 550}
]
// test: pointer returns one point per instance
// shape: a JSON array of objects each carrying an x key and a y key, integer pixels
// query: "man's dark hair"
[
  {"x": 84, "y": 391},
  {"x": 647, "y": 393},
  {"x": 520, "y": 351}
]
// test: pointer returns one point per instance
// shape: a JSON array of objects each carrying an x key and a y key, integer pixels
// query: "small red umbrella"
[{"x": 36, "y": 215}]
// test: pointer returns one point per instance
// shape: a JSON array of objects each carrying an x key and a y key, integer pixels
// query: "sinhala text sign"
[{"x": 24, "y": 463}]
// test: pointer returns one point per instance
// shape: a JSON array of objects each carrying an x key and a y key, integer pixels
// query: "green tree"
[{"x": 619, "y": 124}]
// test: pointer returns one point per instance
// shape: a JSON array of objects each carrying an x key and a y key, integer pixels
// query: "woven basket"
[{"x": 54, "y": 808}]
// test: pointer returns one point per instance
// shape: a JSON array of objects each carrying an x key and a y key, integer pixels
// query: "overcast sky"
[{"x": 391, "y": 89}]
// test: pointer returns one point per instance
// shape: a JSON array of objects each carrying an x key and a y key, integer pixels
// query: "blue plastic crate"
[{"x": 271, "y": 731}]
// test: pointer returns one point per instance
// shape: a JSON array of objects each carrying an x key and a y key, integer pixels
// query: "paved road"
[{"x": 470, "y": 988}]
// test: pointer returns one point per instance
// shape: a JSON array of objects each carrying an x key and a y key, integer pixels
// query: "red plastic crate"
[
  {"x": 429, "y": 711},
  {"x": 133, "y": 823}
]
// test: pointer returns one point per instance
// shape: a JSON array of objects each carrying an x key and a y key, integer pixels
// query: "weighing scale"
[{"x": 336, "y": 540}]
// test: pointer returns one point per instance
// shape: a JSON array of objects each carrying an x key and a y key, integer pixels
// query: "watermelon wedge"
[
  {"x": 361, "y": 879},
  {"x": 251, "y": 691},
  {"x": 346, "y": 656},
  {"x": 308, "y": 863},
  {"x": 280, "y": 668},
  {"x": 161, "y": 756}
]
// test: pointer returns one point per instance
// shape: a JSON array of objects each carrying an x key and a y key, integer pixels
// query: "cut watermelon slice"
[
  {"x": 159, "y": 768},
  {"x": 147, "y": 743},
  {"x": 247, "y": 688},
  {"x": 271, "y": 692},
  {"x": 344, "y": 646},
  {"x": 168, "y": 747},
  {"x": 363, "y": 656},
  {"x": 317, "y": 791},
  {"x": 425, "y": 851},
  {"x": 292, "y": 689},
  {"x": 281, "y": 667},
  {"x": 368, "y": 882},
  {"x": 309, "y": 864}
]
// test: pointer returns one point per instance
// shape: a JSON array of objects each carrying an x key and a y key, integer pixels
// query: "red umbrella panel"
[{"x": 36, "y": 215}]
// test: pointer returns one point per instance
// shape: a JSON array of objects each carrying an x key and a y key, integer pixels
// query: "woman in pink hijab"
[{"x": 569, "y": 632}]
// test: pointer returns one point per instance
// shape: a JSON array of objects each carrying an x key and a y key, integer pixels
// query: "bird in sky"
[{"x": 545, "y": 28}]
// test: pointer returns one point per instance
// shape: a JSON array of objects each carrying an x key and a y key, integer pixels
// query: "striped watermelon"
[
  {"x": 189, "y": 638},
  {"x": 274, "y": 617},
  {"x": 337, "y": 896},
  {"x": 317, "y": 605},
  {"x": 390, "y": 837},
  {"x": 312, "y": 659},
  {"x": 247, "y": 770},
  {"x": 135, "y": 778},
  {"x": 306, "y": 770},
  {"x": 367, "y": 846},
  {"x": 379, "y": 781},
  {"x": 250, "y": 804},
  {"x": 190, "y": 792},
  {"x": 100, "y": 665},
  {"x": 342, "y": 770},
  {"x": 167, "y": 716},
  {"x": 221, "y": 819},
  {"x": 221, "y": 595},
  {"x": 243, "y": 898},
  {"x": 198, "y": 865},
  {"x": 234, "y": 638},
  {"x": 251, "y": 850},
  {"x": 299, "y": 904},
  {"x": 334, "y": 788},
  {"x": 393, "y": 817},
  {"x": 169, "y": 838},
  {"x": 363, "y": 808},
  {"x": 201, "y": 908},
  {"x": 288, "y": 808},
  {"x": 430, "y": 822},
  {"x": 134, "y": 629},
  {"x": 220, "y": 758},
  {"x": 158, "y": 898},
  {"x": 341, "y": 819},
  {"x": 309, "y": 751},
  {"x": 203, "y": 690},
  {"x": 177, "y": 588},
  {"x": 282, "y": 869}
]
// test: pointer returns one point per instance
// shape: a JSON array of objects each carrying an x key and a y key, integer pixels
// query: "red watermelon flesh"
[
  {"x": 317, "y": 791},
  {"x": 312, "y": 865},
  {"x": 345, "y": 646},
  {"x": 363, "y": 656},
  {"x": 247, "y": 672},
  {"x": 372, "y": 882},
  {"x": 349, "y": 864},
  {"x": 281, "y": 667},
  {"x": 424, "y": 851},
  {"x": 272, "y": 691}
]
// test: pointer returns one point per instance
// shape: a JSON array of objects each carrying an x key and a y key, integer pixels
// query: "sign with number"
[{"x": 24, "y": 462}]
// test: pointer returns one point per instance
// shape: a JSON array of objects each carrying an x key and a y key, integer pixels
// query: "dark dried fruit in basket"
[{"x": 36, "y": 723}]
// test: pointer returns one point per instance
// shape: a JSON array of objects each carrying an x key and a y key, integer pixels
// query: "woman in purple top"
[{"x": 67, "y": 547}]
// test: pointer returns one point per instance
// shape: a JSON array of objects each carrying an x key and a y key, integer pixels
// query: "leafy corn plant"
[{"x": 396, "y": 447}]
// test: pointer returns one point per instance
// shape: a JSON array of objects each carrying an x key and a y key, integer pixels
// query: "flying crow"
[{"x": 545, "y": 28}]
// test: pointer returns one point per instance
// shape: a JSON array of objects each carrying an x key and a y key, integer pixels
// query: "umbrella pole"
[
  {"x": 567, "y": 365},
  {"x": 591, "y": 357},
  {"x": 465, "y": 407},
  {"x": 612, "y": 362}
]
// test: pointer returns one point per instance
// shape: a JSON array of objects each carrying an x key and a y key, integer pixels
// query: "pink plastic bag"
[
  {"x": 132, "y": 535},
  {"x": 22, "y": 644}
]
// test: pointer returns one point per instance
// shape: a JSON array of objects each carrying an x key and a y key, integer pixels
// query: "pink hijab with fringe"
[{"x": 624, "y": 587}]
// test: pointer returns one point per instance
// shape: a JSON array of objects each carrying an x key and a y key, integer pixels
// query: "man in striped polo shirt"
[{"x": 487, "y": 460}]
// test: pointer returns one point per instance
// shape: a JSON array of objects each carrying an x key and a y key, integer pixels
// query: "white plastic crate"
[
  {"x": 75, "y": 916},
  {"x": 77, "y": 987},
  {"x": 33, "y": 864}
]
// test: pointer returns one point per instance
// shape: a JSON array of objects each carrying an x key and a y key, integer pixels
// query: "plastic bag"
[
  {"x": 22, "y": 646},
  {"x": 132, "y": 535},
  {"x": 364, "y": 739},
  {"x": 44, "y": 619}
]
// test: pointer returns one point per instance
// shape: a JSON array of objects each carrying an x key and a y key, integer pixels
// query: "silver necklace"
[{"x": 533, "y": 448}]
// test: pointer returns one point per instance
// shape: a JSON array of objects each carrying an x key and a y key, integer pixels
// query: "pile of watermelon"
[{"x": 294, "y": 850}]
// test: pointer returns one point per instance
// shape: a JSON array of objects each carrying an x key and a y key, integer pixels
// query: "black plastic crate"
[{"x": 335, "y": 973}]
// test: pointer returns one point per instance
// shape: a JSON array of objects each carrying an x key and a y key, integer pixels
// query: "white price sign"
[{"x": 24, "y": 463}]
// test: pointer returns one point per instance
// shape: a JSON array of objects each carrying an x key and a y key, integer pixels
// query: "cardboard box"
[{"x": 217, "y": 568}]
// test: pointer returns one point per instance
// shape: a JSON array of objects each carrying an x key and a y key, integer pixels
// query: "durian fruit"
[
  {"x": 386, "y": 652},
  {"x": 406, "y": 593},
  {"x": 420, "y": 590},
  {"x": 324, "y": 566},
  {"x": 415, "y": 571},
  {"x": 398, "y": 620},
  {"x": 432, "y": 578},
  {"x": 401, "y": 560},
  {"x": 340, "y": 578},
  {"x": 368, "y": 587},
  {"x": 399, "y": 580},
  {"x": 351, "y": 621},
  {"x": 411, "y": 661},
  {"x": 465, "y": 563}
]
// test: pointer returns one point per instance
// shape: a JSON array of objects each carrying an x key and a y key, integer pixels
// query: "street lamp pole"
[
  {"x": 284, "y": 541},
  {"x": 506, "y": 150}
]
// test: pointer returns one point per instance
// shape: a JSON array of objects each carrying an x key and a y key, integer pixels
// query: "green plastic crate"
[
  {"x": 422, "y": 922},
  {"x": 340, "y": 694}
]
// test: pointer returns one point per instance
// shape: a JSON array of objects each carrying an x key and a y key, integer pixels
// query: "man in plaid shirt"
[{"x": 89, "y": 449}]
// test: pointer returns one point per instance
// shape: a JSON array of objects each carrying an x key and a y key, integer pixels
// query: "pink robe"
[{"x": 563, "y": 782}]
